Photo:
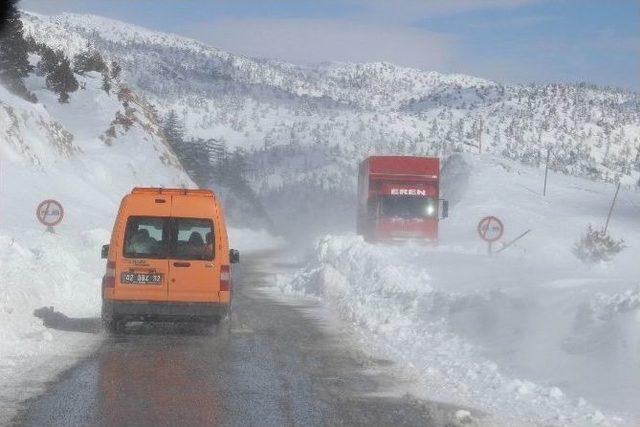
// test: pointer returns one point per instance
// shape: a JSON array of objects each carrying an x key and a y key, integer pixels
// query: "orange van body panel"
[
  {"x": 200, "y": 282},
  {"x": 182, "y": 280}
]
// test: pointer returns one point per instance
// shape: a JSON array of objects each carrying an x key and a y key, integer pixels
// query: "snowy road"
[{"x": 276, "y": 365}]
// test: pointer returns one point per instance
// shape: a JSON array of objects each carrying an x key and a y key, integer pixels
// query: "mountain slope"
[{"x": 306, "y": 128}]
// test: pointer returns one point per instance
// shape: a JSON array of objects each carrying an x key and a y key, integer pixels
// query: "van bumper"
[{"x": 158, "y": 311}]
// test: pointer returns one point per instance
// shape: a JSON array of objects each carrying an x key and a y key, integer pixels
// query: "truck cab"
[{"x": 399, "y": 198}]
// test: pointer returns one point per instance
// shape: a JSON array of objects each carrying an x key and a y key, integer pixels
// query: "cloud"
[
  {"x": 513, "y": 22},
  {"x": 408, "y": 10},
  {"x": 610, "y": 40},
  {"x": 301, "y": 40},
  {"x": 52, "y": 7}
]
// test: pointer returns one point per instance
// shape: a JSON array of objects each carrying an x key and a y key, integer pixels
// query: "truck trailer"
[{"x": 399, "y": 198}]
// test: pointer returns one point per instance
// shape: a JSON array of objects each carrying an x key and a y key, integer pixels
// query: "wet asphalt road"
[{"x": 272, "y": 364}]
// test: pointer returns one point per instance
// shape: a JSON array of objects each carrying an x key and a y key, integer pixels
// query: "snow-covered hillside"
[
  {"x": 532, "y": 335},
  {"x": 86, "y": 154},
  {"x": 307, "y": 127},
  {"x": 80, "y": 154}
]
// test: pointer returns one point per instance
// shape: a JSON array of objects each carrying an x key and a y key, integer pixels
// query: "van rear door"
[
  {"x": 194, "y": 274},
  {"x": 142, "y": 272}
]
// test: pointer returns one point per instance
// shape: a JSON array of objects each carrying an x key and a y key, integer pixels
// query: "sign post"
[
  {"x": 50, "y": 213},
  {"x": 613, "y": 204},
  {"x": 490, "y": 230},
  {"x": 546, "y": 171}
]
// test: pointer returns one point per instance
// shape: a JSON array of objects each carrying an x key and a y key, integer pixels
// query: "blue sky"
[{"x": 596, "y": 41}]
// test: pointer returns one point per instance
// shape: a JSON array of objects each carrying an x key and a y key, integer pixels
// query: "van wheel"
[{"x": 114, "y": 326}]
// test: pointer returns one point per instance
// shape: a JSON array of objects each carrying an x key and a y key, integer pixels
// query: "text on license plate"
[{"x": 141, "y": 278}]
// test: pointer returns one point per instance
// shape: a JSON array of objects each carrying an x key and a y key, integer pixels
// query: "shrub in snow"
[
  {"x": 596, "y": 246},
  {"x": 89, "y": 61},
  {"x": 116, "y": 69}
]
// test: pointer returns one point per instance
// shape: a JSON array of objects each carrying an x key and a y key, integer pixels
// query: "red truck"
[{"x": 399, "y": 198}]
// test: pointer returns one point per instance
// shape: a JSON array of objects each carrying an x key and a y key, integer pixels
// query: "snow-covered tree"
[
  {"x": 173, "y": 129},
  {"x": 14, "y": 60},
  {"x": 597, "y": 246},
  {"x": 89, "y": 60},
  {"x": 60, "y": 78}
]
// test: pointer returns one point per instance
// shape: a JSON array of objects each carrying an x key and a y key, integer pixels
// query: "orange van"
[{"x": 168, "y": 259}]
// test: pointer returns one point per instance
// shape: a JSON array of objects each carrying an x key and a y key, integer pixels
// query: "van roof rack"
[{"x": 177, "y": 191}]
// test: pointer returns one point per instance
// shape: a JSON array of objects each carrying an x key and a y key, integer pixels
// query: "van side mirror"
[
  {"x": 105, "y": 252},
  {"x": 445, "y": 209},
  {"x": 234, "y": 256}
]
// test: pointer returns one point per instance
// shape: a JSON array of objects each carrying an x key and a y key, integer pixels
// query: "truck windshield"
[{"x": 407, "y": 207}]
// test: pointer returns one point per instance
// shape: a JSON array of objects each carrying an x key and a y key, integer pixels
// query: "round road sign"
[
  {"x": 490, "y": 229},
  {"x": 50, "y": 212}
]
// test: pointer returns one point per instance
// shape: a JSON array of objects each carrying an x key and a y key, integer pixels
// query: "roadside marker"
[
  {"x": 50, "y": 213},
  {"x": 490, "y": 229}
]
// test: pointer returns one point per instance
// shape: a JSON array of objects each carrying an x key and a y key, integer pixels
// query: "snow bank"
[
  {"x": 47, "y": 270},
  {"x": 396, "y": 303},
  {"x": 531, "y": 335}
]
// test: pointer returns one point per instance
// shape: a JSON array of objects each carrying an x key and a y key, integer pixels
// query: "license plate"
[{"x": 141, "y": 278}]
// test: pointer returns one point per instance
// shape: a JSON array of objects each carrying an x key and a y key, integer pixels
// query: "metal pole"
[
  {"x": 513, "y": 241},
  {"x": 613, "y": 203},
  {"x": 480, "y": 136},
  {"x": 546, "y": 172}
]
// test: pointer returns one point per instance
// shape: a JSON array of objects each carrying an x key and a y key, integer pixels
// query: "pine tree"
[
  {"x": 14, "y": 59},
  {"x": 48, "y": 60},
  {"x": 87, "y": 61},
  {"x": 60, "y": 78},
  {"x": 173, "y": 130},
  {"x": 106, "y": 83},
  {"x": 115, "y": 70},
  {"x": 199, "y": 161}
]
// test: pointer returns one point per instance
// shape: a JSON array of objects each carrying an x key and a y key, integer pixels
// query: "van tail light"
[
  {"x": 225, "y": 278},
  {"x": 109, "y": 278}
]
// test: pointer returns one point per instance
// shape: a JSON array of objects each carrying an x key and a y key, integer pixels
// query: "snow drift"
[{"x": 531, "y": 335}]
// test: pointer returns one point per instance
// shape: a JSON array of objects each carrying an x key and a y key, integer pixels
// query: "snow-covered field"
[{"x": 532, "y": 334}]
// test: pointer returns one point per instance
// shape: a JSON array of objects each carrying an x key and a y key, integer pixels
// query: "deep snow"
[{"x": 531, "y": 335}]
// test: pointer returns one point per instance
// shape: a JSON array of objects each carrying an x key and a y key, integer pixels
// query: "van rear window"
[
  {"x": 164, "y": 237},
  {"x": 146, "y": 237},
  {"x": 194, "y": 239}
]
